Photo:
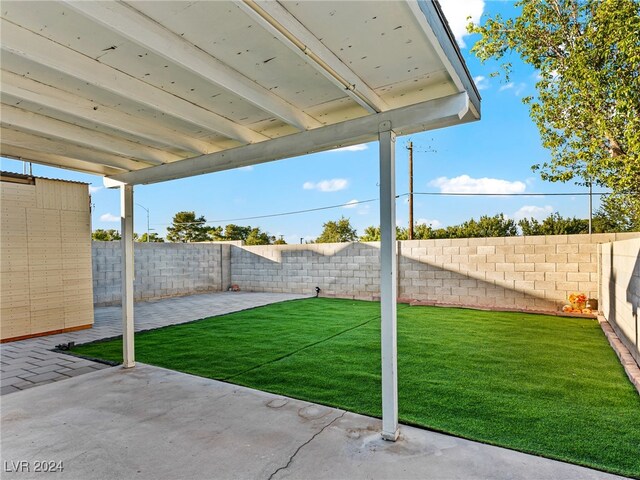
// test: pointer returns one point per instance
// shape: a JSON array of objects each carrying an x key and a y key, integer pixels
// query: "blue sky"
[{"x": 493, "y": 155}]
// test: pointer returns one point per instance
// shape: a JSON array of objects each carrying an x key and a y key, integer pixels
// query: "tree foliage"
[
  {"x": 617, "y": 214},
  {"x": 153, "y": 238},
  {"x": 186, "y": 228},
  {"x": 258, "y": 237},
  {"x": 485, "y": 226},
  {"x": 554, "y": 224},
  {"x": 102, "y": 235},
  {"x": 588, "y": 104},
  {"x": 337, "y": 232},
  {"x": 250, "y": 235},
  {"x": 372, "y": 234}
]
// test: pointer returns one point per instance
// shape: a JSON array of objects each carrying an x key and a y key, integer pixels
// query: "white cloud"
[
  {"x": 248, "y": 168},
  {"x": 481, "y": 82},
  {"x": 93, "y": 189},
  {"x": 528, "y": 211},
  {"x": 458, "y": 13},
  {"x": 467, "y": 184},
  {"x": 351, "y": 148},
  {"x": 517, "y": 88},
  {"x": 506, "y": 86},
  {"x": 362, "y": 209},
  {"x": 432, "y": 223},
  {"x": 109, "y": 217},
  {"x": 333, "y": 185}
]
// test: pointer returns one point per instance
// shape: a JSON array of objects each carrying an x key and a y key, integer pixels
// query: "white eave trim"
[{"x": 430, "y": 18}]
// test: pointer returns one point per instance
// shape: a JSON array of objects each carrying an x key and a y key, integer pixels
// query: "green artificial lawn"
[{"x": 540, "y": 384}]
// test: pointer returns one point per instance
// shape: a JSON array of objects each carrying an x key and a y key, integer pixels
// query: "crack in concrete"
[{"x": 305, "y": 444}]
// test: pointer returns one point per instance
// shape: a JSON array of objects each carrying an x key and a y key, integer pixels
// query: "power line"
[
  {"x": 341, "y": 205},
  {"x": 468, "y": 194},
  {"x": 358, "y": 202}
]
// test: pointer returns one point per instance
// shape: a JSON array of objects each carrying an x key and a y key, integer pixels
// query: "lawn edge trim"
[{"x": 85, "y": 357}]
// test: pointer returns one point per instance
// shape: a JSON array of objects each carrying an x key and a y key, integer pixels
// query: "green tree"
[
  {"x": 215, "y": 234},
  {"x": 616, "y": 214},
  {"x": 588, "y": 104},
  {"x": 236, "y": 232},
  {"x": 258, "y": 237},
  {"x": 249, "y": 235},
  {"x": 186, "y": 227},
  {"x": 280, "y": 241},
  {"x": 496, "y": 226},
  {"x": 554, "y": 224},
  {"x": 372, "y": 234},
  {"x": 422, "y": 231},
  {"x": 153, "y": 237},
  {"x": 110, "y": 235},
  {"x": 337, "y": 232}
]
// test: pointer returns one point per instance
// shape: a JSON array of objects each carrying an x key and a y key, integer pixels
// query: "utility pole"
[
  {"x": 410, "y": 148},
  {"x": 590, "y": 205}
]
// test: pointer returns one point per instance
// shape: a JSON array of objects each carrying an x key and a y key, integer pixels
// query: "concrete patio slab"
[
  {"x": 30, "y": 363},
  {"x": 152, "y": 423}
]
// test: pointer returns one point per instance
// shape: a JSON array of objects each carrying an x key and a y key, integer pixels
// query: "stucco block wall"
[
  {"x": 345, "y": 269},
  {"x": 620, "y": 290},
  {"x": 533, "y": 272},
  {"x": 527, "y": 272},
  {"x": 161, "y": 270}
]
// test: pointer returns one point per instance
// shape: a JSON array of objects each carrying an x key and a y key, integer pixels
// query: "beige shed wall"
[{"x": 45, "y": 258}]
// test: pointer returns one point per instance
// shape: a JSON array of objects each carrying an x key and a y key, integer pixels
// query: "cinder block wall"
[
  {"x": 620, "y": 290},
  {"x": 342, "y": 269},
  {"x": 527, "y": 272},
  {"x": 536, "y": 272},
  {"x": 161, "y": 270}
]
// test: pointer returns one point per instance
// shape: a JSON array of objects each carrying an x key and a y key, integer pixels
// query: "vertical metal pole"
[
  {"x": 590, "y": 206},
  {"x": 410, "y": 147},
  {"x": 388, "y": 282},
  {"x": 126, "y": 219}
]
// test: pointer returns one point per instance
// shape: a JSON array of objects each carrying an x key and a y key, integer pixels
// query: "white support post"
[
  {"x": 126, "y": 214},
  {"x": 388, "y": 281}
]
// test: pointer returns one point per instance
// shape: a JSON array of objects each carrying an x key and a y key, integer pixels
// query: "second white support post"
[
  {"x": 388, "y": 282},
  {"x": 126, "y": 221}
]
